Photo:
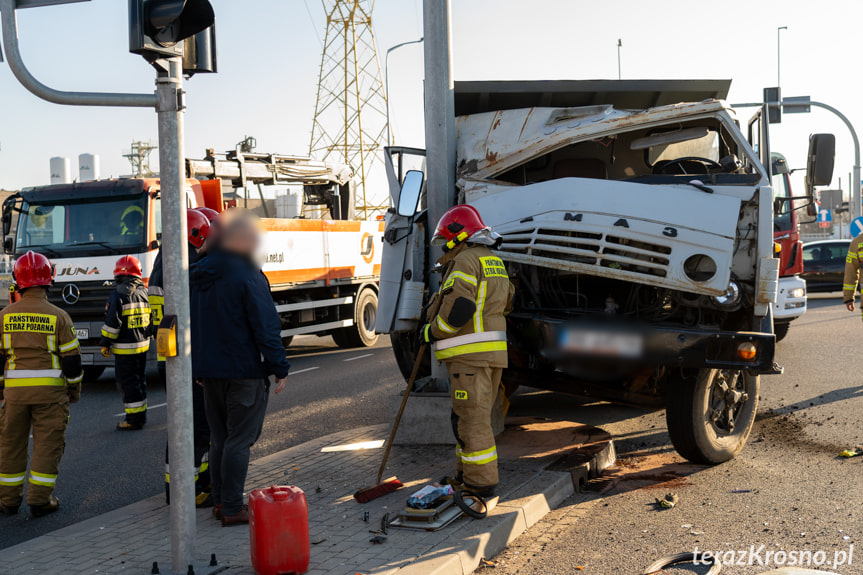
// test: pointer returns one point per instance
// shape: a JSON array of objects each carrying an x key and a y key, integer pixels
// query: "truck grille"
[
  {"x": 579, "y": 251},
  {"x": 92, "y": 297}
]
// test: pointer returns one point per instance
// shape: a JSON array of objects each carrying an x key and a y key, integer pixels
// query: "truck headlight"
[
  {"x": 797, "y": 292},
  {"x": 731, "y": 297}
]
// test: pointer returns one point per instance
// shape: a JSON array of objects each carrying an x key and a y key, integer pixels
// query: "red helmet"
[
  {"x": 128, "y": 266},
  {"x": 209, "y": 213},
  {"x": 33, "y": 270},
  {"x": 199, "y": 227},
  {"x": 456, "y": 225}
]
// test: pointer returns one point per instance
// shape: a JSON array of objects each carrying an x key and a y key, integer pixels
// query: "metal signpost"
[{"x": 165, "y": 53}]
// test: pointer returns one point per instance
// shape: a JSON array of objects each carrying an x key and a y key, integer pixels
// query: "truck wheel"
[
  {"x": 362, "y": 333},
  {"x": 710, "y": 413},
  {"x": 93, "y": 372},
  {"x": 781, "y": 330},
  {"x": 405, "y": 348},
  {"x": 286, "y": 341}
]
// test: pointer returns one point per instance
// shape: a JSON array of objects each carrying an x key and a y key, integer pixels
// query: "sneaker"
[
  {"x": 43, "y": 510},
  {"x": 9, "y": 509},
  {"x": 217, "y": 511},
  {"x": 239, "y": 518},
  {"x": 126, "y": 426}
]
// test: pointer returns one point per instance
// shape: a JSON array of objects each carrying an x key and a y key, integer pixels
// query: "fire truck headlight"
[{"x": 797, "y": 292}]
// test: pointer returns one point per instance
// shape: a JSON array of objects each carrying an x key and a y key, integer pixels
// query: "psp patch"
[
  {"x": 460, "y": 394},
  {"x": 492, "y": 267}
]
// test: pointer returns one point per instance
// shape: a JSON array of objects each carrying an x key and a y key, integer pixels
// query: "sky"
[{"x": 269, "y": 57}]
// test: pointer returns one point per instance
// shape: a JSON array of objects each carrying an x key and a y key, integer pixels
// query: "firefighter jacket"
[
  {"x": 475, "y": 296},
  {"x": 852, "y": 269},
  {"x": 127, "y": 318},
  {"x": 43, "y": 358}
]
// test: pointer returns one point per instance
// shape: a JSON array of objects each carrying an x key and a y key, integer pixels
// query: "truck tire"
[
  {"x": 93, "y": 372},
  {"x": 405, "y": 347},
  {"x": 362, "y": 333},
  {"x": 710, "y": 413},
  {"x": 780, "y": 330},
  {"x": 286, "y": 341}
]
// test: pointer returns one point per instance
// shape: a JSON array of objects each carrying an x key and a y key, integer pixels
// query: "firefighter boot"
[{"x": 43, "y": 510}]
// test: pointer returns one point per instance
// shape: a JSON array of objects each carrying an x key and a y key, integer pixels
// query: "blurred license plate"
[
  {"x": 603, "y": 343},
  {"x": 82, "y": 332}
]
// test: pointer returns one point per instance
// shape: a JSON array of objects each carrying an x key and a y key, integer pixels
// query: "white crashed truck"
[{"x": 637, "y": 225}]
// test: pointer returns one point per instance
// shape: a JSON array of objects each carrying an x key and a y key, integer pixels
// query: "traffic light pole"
[{"x": 175, "y": 261}]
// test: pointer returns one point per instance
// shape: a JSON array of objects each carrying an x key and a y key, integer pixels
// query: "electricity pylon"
[
  {"x": 350, "y": 112},
  {"x": 139, "y": 157}
]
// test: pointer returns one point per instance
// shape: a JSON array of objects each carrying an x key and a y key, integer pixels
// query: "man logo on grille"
[{"x": 71, "y": 294}]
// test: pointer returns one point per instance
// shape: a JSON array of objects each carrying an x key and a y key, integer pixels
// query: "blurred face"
[{"x": 241, "y": 236}]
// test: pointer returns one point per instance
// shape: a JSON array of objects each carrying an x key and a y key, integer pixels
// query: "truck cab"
[
  {"x": 84, "y": 228},
  {"x": 637, "y": 224},
  {"x": 791, "y": 295}
]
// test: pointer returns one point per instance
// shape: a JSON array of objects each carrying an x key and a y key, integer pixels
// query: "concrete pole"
[
  {"x": 439, "y": 128},
  {"x": 175, "y": 257}
]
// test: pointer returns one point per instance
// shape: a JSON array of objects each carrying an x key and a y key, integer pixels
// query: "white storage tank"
[
  {"x": 290, "y": 205},
  {"x": 61, "y": 170},
  {"x": 88, "y": 168}
]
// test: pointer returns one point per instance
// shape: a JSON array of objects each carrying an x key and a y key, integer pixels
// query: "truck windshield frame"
[{"x": 96, "y": 226}]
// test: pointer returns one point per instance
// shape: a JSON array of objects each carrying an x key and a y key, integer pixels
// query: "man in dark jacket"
[
  {"x": 126, "y": 333},
  {"x": 236, "y": 346}
]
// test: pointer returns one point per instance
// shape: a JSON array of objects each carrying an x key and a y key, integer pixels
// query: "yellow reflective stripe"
[
  {"x": 478, "y": 326},
  {"x": 156, "y": 300},
  {"x": 136, "y": 407},
  {"x": 76, "y": 379},
  {"x": 849, "y": 286},
  {"x": 69, "y": 346},
  {"x": 480, "y": 457},
  {"x": 110, "y": 332},
  {"x": 12, "y": 479},
  {"x": 470, "y": 348},
  {"x": 444, "y": 326},
  {"x": 131, "y": 348},
  {"x": 470, "y": 338},
  {"x": 851, "y": 255},
  {"x": 10, "y": 353},
  {"x": 137, "y": 311},
  {"x": 45, "y": 479},
  {"x": 463, "y": 276},
  {"x": 36, "y": 382}
]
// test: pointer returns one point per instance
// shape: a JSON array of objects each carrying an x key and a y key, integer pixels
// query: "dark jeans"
[
  {"x": 235, "y": 412},
  {"x": 131, "y": 374},
  {"x": 201, "y": 430}
]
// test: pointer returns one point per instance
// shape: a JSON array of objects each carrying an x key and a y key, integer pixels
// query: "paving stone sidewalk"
[{"x": 130, "y": 539}]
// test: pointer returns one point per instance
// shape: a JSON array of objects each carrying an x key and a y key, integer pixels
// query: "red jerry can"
[{"x": 279, "y": 530}]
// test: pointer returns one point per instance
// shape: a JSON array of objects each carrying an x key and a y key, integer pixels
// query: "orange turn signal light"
[{"x": 747, "y": 351}]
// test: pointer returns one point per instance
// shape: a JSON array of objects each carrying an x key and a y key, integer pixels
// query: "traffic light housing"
[
  {"x": 157, "y": 28},
  {"x": 774, "y": 113}
]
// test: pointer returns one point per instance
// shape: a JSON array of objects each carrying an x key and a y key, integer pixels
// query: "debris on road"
[
  {"x": 850, "y": 453},
  {"x": 669, "y": 501},
  {"x": 378, "y": 539}
]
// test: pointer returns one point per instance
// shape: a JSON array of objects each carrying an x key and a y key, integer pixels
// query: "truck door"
[{"x": 403, "y": 262}]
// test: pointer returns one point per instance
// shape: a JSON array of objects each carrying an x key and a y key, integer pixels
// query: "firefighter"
[
  {"x": 852, "y": 272},
  {"x": 198, "y": 226},
  {"x": 132, "y": 221},
  {"x": 42, "y": 377},
  {"x": 468, "y": 334},
  {"x": 126, "y": 333}
]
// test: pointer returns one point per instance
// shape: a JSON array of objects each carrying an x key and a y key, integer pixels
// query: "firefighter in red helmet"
[
  {"x": 468, "y": 334},
  {"x": 126, "y": 334},
  {"x": 42, "y": 376}
]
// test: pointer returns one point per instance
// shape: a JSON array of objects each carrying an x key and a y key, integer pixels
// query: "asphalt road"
[
  {"x": 329, "y": 390},
  {"x": 803, "y": 497}
]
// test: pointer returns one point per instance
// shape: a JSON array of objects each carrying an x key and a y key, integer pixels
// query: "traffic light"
[
  {"x": 199, "y": 52},
  {"x": 157, "y": 28}
]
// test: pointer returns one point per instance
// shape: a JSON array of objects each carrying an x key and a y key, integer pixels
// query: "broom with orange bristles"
[{"x": 367, "y": 494}]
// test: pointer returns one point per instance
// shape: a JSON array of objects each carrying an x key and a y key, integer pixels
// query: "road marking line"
[
  {"x": 377, "y": 444},
  {"x": 149, "y": 408},
  {"x": 359, "y": 357},
  {"x": 301, "y": 371}
]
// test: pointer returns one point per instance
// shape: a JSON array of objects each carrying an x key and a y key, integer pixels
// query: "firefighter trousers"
[
  {"x": 131, "y": 373},
  {"x": 473, "y": 391},
  {"x": 201, "y": 435},
  {"x": 48, "y": 424}
]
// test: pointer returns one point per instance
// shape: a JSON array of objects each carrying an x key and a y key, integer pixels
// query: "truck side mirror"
[
  {"x": 819, "y": 163},
  {"x": 7, "y": 222},
  {"x": 9, "y": 245},
  {"x": 409, "y": 196}
]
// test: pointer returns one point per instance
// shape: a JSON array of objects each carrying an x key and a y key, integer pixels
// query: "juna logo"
[{"x": 76, "y": 271}]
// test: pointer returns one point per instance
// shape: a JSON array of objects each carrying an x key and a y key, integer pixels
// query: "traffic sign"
[
  {"x": 825, "y": 218},
  {"x": 856, "y": 227}
]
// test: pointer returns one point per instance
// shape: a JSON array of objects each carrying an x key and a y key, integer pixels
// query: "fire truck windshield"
[{"x": 114, "y": 226}]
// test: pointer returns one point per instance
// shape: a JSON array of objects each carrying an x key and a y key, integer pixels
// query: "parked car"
[{"x": 824, "y": 264}]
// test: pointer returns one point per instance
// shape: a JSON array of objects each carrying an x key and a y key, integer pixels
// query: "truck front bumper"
[
  {"x": 790, "y": 299},
  {"x": 569, "y": 343}
]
